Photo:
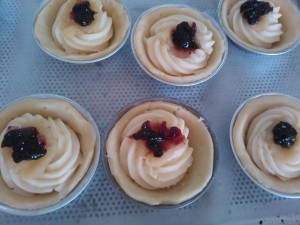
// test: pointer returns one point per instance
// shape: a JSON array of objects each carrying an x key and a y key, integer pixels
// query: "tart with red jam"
[
  {"x": 160, "y": 153},
  {"x": 48, "y": 145},
  {"x": 265, "y": 139}
]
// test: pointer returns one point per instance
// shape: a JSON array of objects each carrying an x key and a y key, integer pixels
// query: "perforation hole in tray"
[
  {"x": 9, "y": 26},
  {"x": 245, "y": 191},
  {"x": 265, "y": 78}
]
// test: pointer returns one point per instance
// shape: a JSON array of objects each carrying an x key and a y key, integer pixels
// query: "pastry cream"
[
  {"x": 163, "y": 53},
  {"x": 263, "y": 34},
  {"x": 155, "y": 172},
  {"x": 82, "y": 39},
  {"x": 50, "y": 172},
  {"x": 268, "y": 156}
]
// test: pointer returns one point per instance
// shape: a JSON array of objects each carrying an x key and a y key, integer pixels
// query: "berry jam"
[
  {"x": 253, "y": 9},
  {"x": 82, "y": 14},
  {"x": 183, "y": 36},
  {"x": 284, "y": 134},
  {"x": 26, "y": 144},
  {"x": 158, "y": 137}
]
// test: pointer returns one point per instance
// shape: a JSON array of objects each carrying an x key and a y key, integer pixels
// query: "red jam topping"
[
  {"x": 158, "y": 137},
  {"x": 26, "y": 143},
  {"x": 82, "y": 14},
  {"x": 183, "y": 36},
  {"x": 252, "y": 10}
]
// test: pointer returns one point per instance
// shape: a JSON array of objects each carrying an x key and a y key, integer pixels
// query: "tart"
[
  {"x": 178, "y": 45},
  {"x": 82, "y": 31},
  {"x": 265, "y": 139},
  {"x": 265, "y": 27},
  {"x": 160, "y": 153},
  {"x": 49, "y": 145}
]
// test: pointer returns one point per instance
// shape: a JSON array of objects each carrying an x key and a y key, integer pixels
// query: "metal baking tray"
[{"x": 104, "y": 88}]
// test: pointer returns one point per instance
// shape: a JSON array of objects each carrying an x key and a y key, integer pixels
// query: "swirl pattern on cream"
[
  {"x": 268, "y": 156},
  {"x": 163, "y": 53},
  {"x": 52, "y": 171},
  {"x": 139, "y": 163},
  {"x": 263, "y": 34},
  {"x": 74, "y": 38}
]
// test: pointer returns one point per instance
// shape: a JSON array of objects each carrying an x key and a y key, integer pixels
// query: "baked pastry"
[
  {"x": 178, "y": 45},
  {"x": 82, "y": 30},
  {"x": 265, "y": 139},
  {"x": 266, "y": 27},
  {"x": 160, "y": 153},
  {"x": 47, "y": 147}
]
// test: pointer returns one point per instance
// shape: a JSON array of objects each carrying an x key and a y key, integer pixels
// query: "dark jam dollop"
[
  {"x": 284, "y": 134},
  {"x": 253, "y": 9},
  {"x": 82, "y": 14},
  {"x": 183, "y": 36},
  {"x": 26, "y": 144},
  {"x": 158, "y": 137}
]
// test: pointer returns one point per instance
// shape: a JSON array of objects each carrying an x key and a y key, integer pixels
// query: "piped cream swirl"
[
  {"x": 154, "y": 172},
  {"x": 74, "y": 38},
  {"x": 263, "y": 34},
  {"x": 52, "y": 171},
  {"x": 268, "y": 156},
  {"x": 163, "y": 53}
]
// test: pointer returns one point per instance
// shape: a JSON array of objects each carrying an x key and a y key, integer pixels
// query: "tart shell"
[
  {"x": 84, "y": 127},
  {"x": 198, "y": 176},
  {"x": 45, "y": 18},
  {"x": 238, "y": 132},
  {"x": 141, "y": 31},
  {"x": 290, "y": 21}
]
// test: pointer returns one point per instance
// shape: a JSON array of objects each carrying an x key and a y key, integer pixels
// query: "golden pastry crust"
[
  {"x": 290, "y": 20},
  {"x": 240, "y": 126},
  {"x": 46, "y": 18},
  {"x": 197, "y": 176},
  {"x": 142, "y": 30},
  {"x": 84, "y": 130}
]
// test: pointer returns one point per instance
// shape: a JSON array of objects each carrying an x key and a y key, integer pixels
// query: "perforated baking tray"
[{"x": 106, "y": 87}]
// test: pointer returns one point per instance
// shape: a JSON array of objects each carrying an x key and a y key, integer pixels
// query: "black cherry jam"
[{"x": 159, "y": 138}]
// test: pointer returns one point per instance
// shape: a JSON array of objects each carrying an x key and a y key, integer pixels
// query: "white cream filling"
[
  {"x": 154, "y": 172},
  {"x": 263, "y": 34},
  {"x": 268, "y": 156},
  {"x": 163, "y": 53},
  {"x": 74, "y": 38},
  {"x": 50, "y": 172}
]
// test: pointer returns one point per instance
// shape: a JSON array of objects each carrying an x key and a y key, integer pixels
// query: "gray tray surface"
[{"x": 106, "y": 87}]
